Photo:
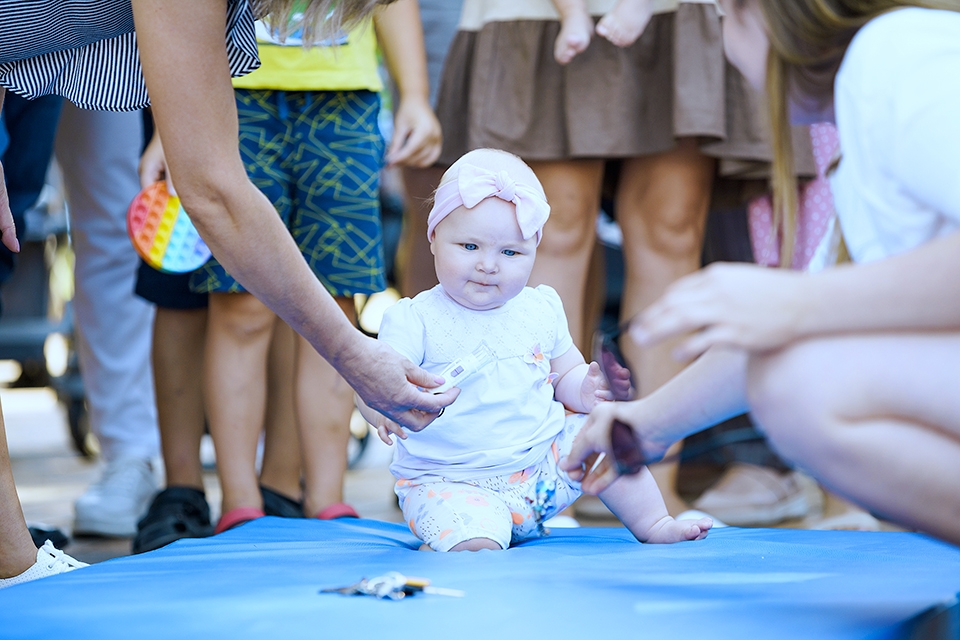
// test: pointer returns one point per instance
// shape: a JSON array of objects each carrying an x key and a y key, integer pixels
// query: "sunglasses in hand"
[{"x": 625, "y": 443}]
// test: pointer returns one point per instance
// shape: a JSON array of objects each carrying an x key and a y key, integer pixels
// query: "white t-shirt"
[
  {"x": 505, "y": 418},
  {"x": 897, "y": 100}
]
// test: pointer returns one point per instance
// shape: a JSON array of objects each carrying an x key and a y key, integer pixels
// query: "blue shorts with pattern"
[{"x": 317, "y": 156}]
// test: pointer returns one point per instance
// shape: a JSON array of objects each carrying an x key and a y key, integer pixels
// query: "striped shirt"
[{"x": 86, "y": 50}]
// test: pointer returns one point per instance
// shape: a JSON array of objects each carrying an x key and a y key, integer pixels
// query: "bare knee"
[
  {"x": 241, "y": 316},
  {"x": 476, "y": 544},
  {"x": 787, "y": 400}
]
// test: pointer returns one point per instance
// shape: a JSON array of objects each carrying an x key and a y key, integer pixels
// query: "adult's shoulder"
[{"x": 892, "y": 46}]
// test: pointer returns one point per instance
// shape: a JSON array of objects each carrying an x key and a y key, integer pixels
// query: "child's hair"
[
  {"x": 808, "y": 39},
  {"x": 319, "y": 19}
]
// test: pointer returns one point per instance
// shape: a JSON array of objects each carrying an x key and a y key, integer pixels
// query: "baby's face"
[{"x": 481, "y": 258}]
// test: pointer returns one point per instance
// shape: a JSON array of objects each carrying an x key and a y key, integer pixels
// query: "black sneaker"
[
  {"x": 175, "y": 513},
  {"x": 277, "y": 504}
]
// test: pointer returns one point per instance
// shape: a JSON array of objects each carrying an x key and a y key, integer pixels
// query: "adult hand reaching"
[
  {"x": 394, "y": 386},
  {"x": 729, "y": 305},
  {"x": 594, "y": 439}
]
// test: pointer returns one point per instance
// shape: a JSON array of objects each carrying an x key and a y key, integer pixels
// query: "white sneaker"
[
  {"x": 50, "y": 562},
  {"x": 113, "y": 505}
]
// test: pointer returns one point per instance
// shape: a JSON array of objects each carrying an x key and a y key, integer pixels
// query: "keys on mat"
[{"x": 393, "y": 586}]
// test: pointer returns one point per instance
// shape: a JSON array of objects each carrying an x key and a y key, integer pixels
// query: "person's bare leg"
[
  {"x": 235, "y": 388},
  {"x": 563, "y": 257},
  {"x": 637, "y": 502},
  {"x": 414, "y": 260},
  {"x": 178, "y": 343},
  {"x": 17, "y": 551},
  {"x": 280, "y": 469},
  {"x": 661, "y": 205},
  {"x": 874, "y": 418},
  {"x": 324, "y": 404}
]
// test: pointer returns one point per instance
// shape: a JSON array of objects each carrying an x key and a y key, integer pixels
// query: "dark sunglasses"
[{"x": 625, "y": 444}]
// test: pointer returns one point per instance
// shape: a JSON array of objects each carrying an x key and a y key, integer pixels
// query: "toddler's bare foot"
[
  {"x": 667, "y": 530},
  {"x": 576, "y": 29},
  {"x": 425, "y": 547},
  {"x": 625, "y": 22}
]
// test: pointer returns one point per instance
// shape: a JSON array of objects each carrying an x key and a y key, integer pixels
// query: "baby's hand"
[
  {"x": 594, "y": 388},
  {"x": 625, "y": 22},
  {"x": 386, "y": 426},
  {"x": 574, "y": 37}
]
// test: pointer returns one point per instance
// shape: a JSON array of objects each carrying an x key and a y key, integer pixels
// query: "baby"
[
  {"x": 484, "y": 474},
  {"x": 622, "y": 25}
]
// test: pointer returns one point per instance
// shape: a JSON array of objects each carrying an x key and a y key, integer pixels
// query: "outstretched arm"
[
  {"x": 185, "y": 66},
  {"x": 707, "y": 392},
  {"x": 757, "y": 309},
  {"x": 416, "y": 136}
]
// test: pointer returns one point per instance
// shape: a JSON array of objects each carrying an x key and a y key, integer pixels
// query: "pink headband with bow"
[{"x": 474, "y": 185}]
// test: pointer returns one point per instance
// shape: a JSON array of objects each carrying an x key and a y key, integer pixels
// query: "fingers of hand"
[
  {"x": 384, "y": 434},
  {"x": 599, "y": 477}
]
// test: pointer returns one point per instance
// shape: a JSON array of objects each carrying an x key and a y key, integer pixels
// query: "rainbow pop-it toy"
[{"x": 162, "y": 233}]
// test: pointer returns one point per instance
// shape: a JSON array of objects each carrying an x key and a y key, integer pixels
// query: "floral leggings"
[{"x": 504, "y": 509}]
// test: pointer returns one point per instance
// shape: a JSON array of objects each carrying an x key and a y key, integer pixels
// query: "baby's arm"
[
  {"x": 576, "y": 29},
  {"x": 637, "y": 502},
  {"x": 625, "y": 22},
  {"x": 579, "y": 386},
  {"x": 384, "y": 425}
]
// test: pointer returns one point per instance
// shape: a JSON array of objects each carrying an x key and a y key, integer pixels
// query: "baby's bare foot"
[
  {"x": 576, "y": 30},
  {"x": 668, "y": 530},
  {"x": 625, "y": 22}
]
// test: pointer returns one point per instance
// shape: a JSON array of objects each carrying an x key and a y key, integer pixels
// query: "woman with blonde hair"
[
  {"x": 853, "y": 372},
  {"x": 107, "y": 54}
]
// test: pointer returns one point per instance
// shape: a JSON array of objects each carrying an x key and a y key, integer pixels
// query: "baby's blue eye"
[
  {"x": 470, "y": 246},
  {"x": 509, "y": 252}
]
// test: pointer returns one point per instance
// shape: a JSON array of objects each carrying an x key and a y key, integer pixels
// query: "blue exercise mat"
[{"x": 262, "y": 580}]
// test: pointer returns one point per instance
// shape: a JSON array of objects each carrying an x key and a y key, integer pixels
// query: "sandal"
[
  {"x": 175, "y": 513},
  {"x": 337, "y": 510},
  {"x": 277, "y": 504},
  {"x": 236, "y": 517}
]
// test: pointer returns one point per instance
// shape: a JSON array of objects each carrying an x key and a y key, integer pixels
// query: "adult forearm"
[
  {"x": 917, "y": 290},
  {"x": 195, "y": 112},
  {"x": 400, "y": 34},
  {"x": 707, "y": 392}
]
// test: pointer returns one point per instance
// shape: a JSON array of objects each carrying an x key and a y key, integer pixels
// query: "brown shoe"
[{"x": 751, "y": 496}]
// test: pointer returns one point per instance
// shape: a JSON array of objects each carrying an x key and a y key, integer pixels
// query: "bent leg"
[
  {"x": 178, "y": 339},
  {"x": 280, "y": 468},
  {"x": 563, "y": 257},
  {"x": 875, "y": 418},
  {"x": 238, "y": 338},
  {"x": 455, "y": 516},
  {"x": 324, "y": 403},
  {"x": 662, "y": 204}
]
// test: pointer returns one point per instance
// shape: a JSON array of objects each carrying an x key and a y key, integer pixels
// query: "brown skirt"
[{"x": 502, "y": 88}]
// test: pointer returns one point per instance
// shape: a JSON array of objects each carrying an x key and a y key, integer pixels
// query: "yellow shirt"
[{"x": 347, "y": 62}]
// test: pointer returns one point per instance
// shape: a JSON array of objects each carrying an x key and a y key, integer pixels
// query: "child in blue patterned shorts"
[
  {"x": 310, "y": 141},
  {"x": 484, "y": 474}
]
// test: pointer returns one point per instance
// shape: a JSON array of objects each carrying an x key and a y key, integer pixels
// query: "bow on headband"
[{"x": 473, "y": 185}]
